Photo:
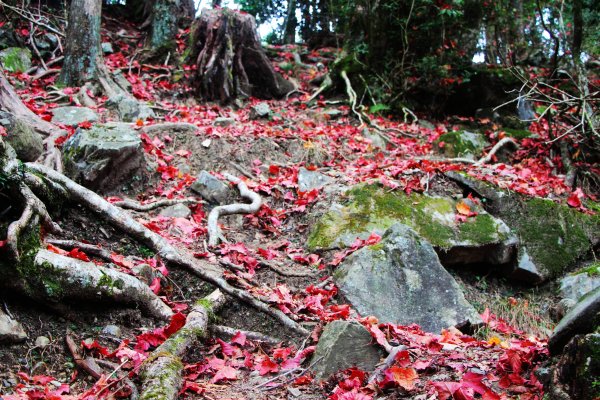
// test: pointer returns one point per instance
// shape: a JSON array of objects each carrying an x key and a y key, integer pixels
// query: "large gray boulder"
[
  {"x": 73, "y": 116},
  {"x": 400, "y": 280},
  {"x": 343, "y": 345},
  {"x": 583, "y": 318},
  {"x": 461, "y": 144},
  {"x": 104, "y": 156},
  {"x": 578, "y": 284}
]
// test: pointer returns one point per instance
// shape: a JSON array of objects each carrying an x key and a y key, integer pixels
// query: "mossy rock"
[
  {"x": 369, "y": 208},
  {"x": 517, "y": 133},
  {"x": 461, "y": 144},
  {"x": 554, "y": 235},
  {"x": 16, "y": 59}
]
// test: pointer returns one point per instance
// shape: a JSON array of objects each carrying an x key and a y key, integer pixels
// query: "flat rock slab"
[
  {"x": 400, "y": 280},
  {"x": 343, "y": 345},
  {"x": 309, "y": 180},
  {"x": 211, "y": 188},
  {"x": 10, "y": 330},
  {"x": 369, "y": 208},
  {"x": 73, "y": 116},
  {"x": 583, "y": 318},
  {"x": 104, "y": 156},
  {"x": 575, "y": 286}
]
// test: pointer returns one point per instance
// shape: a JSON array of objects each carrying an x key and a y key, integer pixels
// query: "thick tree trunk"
[
  {"x": 165, "y": 15},
  {"x": 231, "y": 62},
  {"x": 83, "y": 52},
  {"x": 289, "y": 31}
]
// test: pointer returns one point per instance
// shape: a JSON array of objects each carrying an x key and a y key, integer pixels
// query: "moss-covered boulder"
[
  {"x": 26, "y": 142},
  {"x": 370, "y": 208},
  {"x": 461, "y": 144},
  {"x": 400, "y": 280},
  {"x": 16, "y": 59},
  {"x": 553, "y": 236},
  {"x": 577, "y": 284}
]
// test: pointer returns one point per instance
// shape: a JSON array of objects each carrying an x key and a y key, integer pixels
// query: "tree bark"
[
  {"x": 289, "y": 31},
  {"x": 83, "y": 52},
  {"x": 165, "y": 16},
  {"x": 231, "y": 62}
]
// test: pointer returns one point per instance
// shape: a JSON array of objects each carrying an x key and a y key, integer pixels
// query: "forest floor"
[{"x": 270, "y": 248}]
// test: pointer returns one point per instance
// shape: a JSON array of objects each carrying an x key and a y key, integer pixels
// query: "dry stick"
[
  {"x": 236, "y": 208},
  {"x": 161, "y": 374},
  {"x": 168, "y": 252},
  {"x": 136, "y": 206},
  {"x": 48, "y": 64},
  {"x": 389, "y": 360},
  {"x": 20, "y": 12},
  {"x": 85, "y": 247},
  {"x": 503, "y": 142},
  {"x": 256, "y": 336}
]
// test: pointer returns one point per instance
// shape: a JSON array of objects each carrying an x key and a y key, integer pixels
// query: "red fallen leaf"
[
  {"x": 239, "y": 338},
  {"x": 226, "y": 348},
  {"x": 274, "y": 169},
  {"x": 303, "y": 380},
  {"x": 403, "y": 358},
  {"x": 56, "y": 250},
  {"x": 121, "y": 261},
  {"x": 177, "y": 322},
  {"x": 403, "y": 377},
  {"x": 268, "y": 254},
  {"x": 155, "y": 285},
  {"x": 282, "y": 353},
  {"x": 378, "y": 335},
  {"x": 464, "y": 209},
  {"x": 574, "y": 200},
  {"x": 226, "y": 372},
  {"x": 96, "y": 346},
  {"x": 267, "y": 366},
  {"x": 85, "y": 125},
  {"x": 76, "y": 253}
]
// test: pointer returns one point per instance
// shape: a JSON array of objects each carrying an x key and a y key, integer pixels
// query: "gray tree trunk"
[{"x": 83, "y": 52}]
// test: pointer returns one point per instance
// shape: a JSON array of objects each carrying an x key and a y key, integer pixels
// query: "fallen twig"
[{"x": 136, "y": 206}]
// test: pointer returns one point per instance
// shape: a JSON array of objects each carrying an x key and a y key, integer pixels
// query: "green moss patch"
[
  {"x": 369, "y": 208},
  {"x": 461, "y": 144}
]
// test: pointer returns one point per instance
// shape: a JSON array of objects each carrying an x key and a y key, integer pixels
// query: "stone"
[
  {"x": 370, "y": 208},
  {"x": 145, "y": 273},
  {"x": 223, "y": 121},
  {"x": 260, "y": 110},
  {"x": 525, "y": 269},
  {"x": 461, "y": 144},
  {"x": 400, "y": 280},
  {"x": 73, "y": 116},
  {"x": 27, "y": 143},
  {"x": 344, "y": 344},
  {"x": 575, "y": 375},
  {"x": 576, "y": 285},
  {"x": 11, "y": 331},
  {"x": 42, "y": 341},
  {"x": 376, "y": 139},
  {"x": 211, "y": 189},
  {"x": 582, "y": 319},
  {"x": 553, "y": 245},
  {"x": 130, "y": 110},
  {"x": 309, "y": 180},
  {"x": 107, "y": 48},
  {"x": 176, "y": 211},
  {"x": 104, "y": 156},
  {"x": 16, "y": 59},
  {"x": 112, "y": 330}
]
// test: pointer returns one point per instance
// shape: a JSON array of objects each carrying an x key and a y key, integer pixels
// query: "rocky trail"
[{"x": 393, "y": 258}]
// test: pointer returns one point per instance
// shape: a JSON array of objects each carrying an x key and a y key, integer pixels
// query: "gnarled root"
[
  {"x": 238, "y": 208},
  {"x": 162, "y": 373},
  {"x": 78, "y": 279},
  {"x": 124, "y": 221}
]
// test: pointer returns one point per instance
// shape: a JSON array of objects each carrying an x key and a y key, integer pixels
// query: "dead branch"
[
  {"x": 237, "y": 208},
  {"x": 501, "y": 143},
  {"x": 124, "y": 221},
  {"x": 256, "y": 336},
  {"x": 389, "y": 360},
  {"x": 161, "y": 375}
]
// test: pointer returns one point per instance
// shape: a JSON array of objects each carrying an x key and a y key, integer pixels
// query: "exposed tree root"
[
  {"x": 161, "y": 374},
  {"x": 501, "y": 143},
  {"x": 85, "y": 247},
  {"x": 160, "y": 245},
  {"x": 86, "y": 281},
  {"x": 170, "y": 126},
  {"x": 136, "y": 206},
  {"x": 238, "y": 208},
  {"x": 327, "y": 83}
]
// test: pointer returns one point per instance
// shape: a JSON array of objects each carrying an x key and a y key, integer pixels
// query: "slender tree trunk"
[
  {"x": 289, "y": 31},
  {"x": 83, "y": 52}
]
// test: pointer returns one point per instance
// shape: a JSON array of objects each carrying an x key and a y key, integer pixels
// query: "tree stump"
[{"x": 230, "y": 60}]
